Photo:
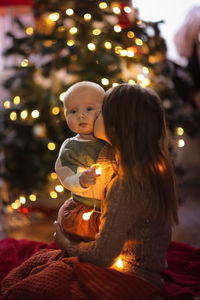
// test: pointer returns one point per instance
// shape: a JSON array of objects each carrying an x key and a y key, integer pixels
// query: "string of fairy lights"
[{"x": 142, "y": 78}]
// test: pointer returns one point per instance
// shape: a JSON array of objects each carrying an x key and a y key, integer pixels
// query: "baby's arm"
[{"x": 75, "y": 182}]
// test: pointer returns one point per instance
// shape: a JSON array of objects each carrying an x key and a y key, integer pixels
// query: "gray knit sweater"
[{"x": 141, "y": 243}]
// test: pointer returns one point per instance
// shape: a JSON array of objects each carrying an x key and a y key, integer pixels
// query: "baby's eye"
[
  {"x": 73, "y": 111},
  {"x": 89, "y": 108}
]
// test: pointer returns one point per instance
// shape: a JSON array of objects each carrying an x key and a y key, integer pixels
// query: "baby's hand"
[{"x": 88, "y": 178}]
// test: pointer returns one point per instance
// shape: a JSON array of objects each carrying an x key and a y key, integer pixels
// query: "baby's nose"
[{"x": 81, "y": 113}]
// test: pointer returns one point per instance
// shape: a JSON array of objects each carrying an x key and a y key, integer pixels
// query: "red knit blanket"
[{"x": 75, "y": 280}]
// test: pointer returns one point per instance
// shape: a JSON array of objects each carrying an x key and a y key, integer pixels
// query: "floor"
[{"x": 188, "y": 230}]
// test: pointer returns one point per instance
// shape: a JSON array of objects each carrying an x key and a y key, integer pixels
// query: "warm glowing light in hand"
[
  {"x": 98, "y": 171},
  {"x": 86, "y": 216},
  {"x": 97, "y": 168}
]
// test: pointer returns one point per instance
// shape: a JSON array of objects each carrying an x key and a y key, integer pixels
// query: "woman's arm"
[{"x": 115, "y": 223}]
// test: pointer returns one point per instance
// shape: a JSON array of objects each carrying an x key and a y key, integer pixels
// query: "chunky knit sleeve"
[
  {"x": 67, "y": 168},
  {"x": 115, "y": 223}
]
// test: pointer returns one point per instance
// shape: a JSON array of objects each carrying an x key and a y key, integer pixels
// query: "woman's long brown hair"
[{"x": 135, "y": 125}]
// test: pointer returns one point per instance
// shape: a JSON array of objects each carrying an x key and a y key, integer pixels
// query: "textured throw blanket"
[{"x": 75, "y": 280}]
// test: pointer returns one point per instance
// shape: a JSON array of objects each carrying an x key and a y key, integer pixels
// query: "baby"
[{"x": 74, "y": 165}]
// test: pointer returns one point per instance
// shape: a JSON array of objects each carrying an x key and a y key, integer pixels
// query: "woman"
[{"x": 141, "y": 202}]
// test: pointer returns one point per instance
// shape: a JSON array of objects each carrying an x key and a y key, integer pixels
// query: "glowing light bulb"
[
  {"x": 24, "y": 114},
  {"x": 16, "y": 100},
  {"x": 117, "y": 28},
  {"x": 24, "y": 63},
  {"x": 54, "y": 175},
  {"x": 97, "y": 168},
  {"x": 105, "y": 81},
  {"x": 55, "y": 110},
  {"x": 62, "y": 96},
  {"x": 51, "y": 146},
  {"x": 29, "y": 30},
  {"x": 140, "y": 77},
  {"x": 87, "y": 17},
  {"x": 127, "y": 9},
  {"x": 22, "y": 199},
  {"x": 53, "y": 194},
  {"x": 98, "y": 171},
  {"x": 96, "y": 31},
  {"x": 115, "y": 84},
  {"x": 70, "y": 43},
  {"x": 86, "y": 216},
  {"x": 108, "y": 45},
  {"x": 131, "y": 81},
  {"x": 179, "y": 131},
  {"x": 69, "y": 12},
  {"x": 130, "y": 52},
  {"x": 145, "y": 70},
  {"x": 73, "y": 30},
  {"x": 54, "y": 16},
  {"x": 35, "y": 114},
  {"x": 13, "y": 115},
  {"x": 119, "y": 263},
  {"x": 138, "y": 42},
  {"x": 116, "y": 10},
  {"x": 145, "y": 82},
  {"x": 91, "y": 46},
  {"x": 14, "y": 205},
  {"x": 181, "y": 143},
  {"x": 59, "y": 188},
  {"x": 123, "y": 52},
  {"x": 7, "y": 104},
  {"x": 32, "y": 197},
  {"x": 118, "y": 49},
  {"x": 130, "y": 34},
  {"x": 103, "y": 5}
]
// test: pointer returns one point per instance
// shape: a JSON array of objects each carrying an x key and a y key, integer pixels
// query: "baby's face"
[{"x": 82, "y": 107}]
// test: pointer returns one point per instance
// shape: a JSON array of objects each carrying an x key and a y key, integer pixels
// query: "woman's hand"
[{"x": 61, "y": 241}]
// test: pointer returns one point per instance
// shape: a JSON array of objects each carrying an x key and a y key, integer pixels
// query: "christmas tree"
[{"x": 105, "y": 42}]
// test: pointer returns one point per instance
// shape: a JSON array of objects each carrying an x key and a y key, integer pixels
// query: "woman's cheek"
[{"x": 99, "y": 129}]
